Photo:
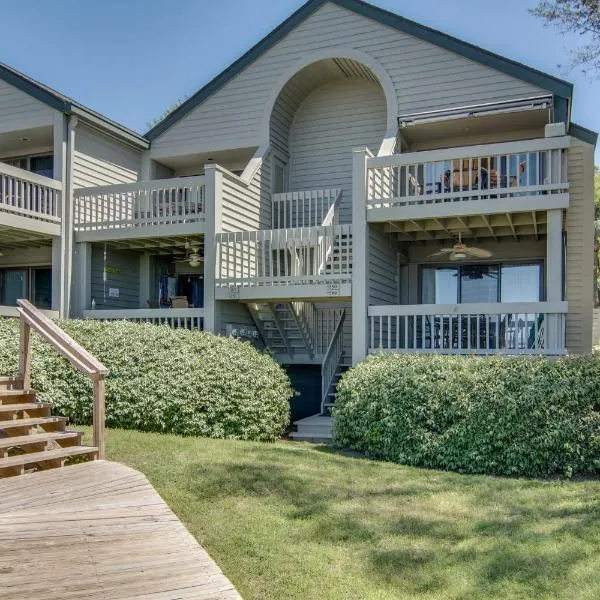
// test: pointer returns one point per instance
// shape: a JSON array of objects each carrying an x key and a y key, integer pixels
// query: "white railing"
[
  {"x": 140, "y": 204},
  {"x": 308, "y": 208},
  {"x": 494, "y": 328},
  {"x": 332, "y": 359},
  {"x": 306, "y": 255},
  {"x": 185, "y": 318},
  {"x": 30, "y": 195},
  {"x": 484, "y": 172},
  {"x": 307, "y": 319},
  {"x": 326, "y": 325}
]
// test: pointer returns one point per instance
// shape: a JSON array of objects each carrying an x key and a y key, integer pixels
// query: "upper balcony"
[
  {"x": 29, "y": 202},
  {"x": 141, "y": 209},
  {"x": 506, "y": 178}
]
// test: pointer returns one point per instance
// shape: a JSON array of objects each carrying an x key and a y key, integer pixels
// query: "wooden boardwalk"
[{"x": 98, "y": 530}]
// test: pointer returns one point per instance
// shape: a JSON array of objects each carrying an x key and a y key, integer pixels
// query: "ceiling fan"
[
  {"x": 460, "y": 251},
  {"x": 192, "y": 255}
]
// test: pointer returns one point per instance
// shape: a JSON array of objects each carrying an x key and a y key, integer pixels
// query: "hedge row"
[
  {"x": 162, "y": 379},
  {"x": 495, "y": 415}
]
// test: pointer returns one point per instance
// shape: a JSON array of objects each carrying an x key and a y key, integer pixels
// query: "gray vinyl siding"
[
  {"x": 580, "y": 247},
  {"x": 100, "y": 160},
  {"x": 425, "y": 77},
  {"x": 22, "y": 111},
  {"x": 247, "y": 207},
  {"x": 235, "y": 314},
  {"x": 383, "y": 270},
  {"x": 333, "y": 120},
  {"x": 26, "y": 257},
  {"x": 127, "y": 280}
]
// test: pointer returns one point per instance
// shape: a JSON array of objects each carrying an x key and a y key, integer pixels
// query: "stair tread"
[
  {"x": 23, "y": 406},
  {"x": 14, "y": 423},
  {"x": 34, "y": 457},
  {"x": 35, "y": 438},
  {"x": 17, "y": 393}
]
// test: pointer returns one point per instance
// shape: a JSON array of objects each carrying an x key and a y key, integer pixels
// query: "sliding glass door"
[
  {"x": 13, "y": 285},
  {"x": 481, "y": 284}
]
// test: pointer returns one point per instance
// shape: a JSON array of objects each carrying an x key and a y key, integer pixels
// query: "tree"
[
  {"x": 576, "y": 16},
  {"x": 167, "y": 112}
]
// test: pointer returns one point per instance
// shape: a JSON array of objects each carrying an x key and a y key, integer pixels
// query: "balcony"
[
  {"x": 514, "y": 177},
  {"x": 302, "y": 262},
  {"x": 141, "y": 209},
  {"x": 29, "y": 201},
  {"x": 486, "y": 328}
]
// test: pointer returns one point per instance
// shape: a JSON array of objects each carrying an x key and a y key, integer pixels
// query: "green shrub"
[
  {"x": 162, "y": 379},
  {"x": 495, "y": 415}
]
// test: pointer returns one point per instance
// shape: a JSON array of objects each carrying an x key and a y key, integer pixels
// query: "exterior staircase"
[
  {"x": 30, "y": 438},
  {"x": 329, "y": 394},
  {"x": 284, "y": 327}
]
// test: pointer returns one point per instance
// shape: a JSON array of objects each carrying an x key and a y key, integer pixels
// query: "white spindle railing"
[
  {"x": 494, "y": 328},
  {"x": 185, "y": 318},
  {"x": 486, "y": 172},
  {"x": 30, "y": 195},
  {"x": 307, "y": 255},
  {"x": 140, "y": 204},
  {"x": 307, "y": 315},
  {"x": 308, "y": 208},
  {"x": 332, "y": 359}
]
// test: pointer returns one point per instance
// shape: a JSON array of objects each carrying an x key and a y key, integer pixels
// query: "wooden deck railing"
[
  {"x": 141, "y": 204},
  {"x": 79, "y": 357},
  {"x": 309, "y": 208},
  {"x": 179, "y": 318},
  {"x": 332, "y": 359},
  {"x": 491, "y": 172},
  {"x": 485, "y": 328},
  {"x": 30, "y": 195}
]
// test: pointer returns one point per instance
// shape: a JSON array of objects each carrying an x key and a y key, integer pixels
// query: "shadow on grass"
[{"x": 422, "y": 532}]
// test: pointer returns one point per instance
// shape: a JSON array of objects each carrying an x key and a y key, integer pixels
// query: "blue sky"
[{"x": 132, "y": 59}]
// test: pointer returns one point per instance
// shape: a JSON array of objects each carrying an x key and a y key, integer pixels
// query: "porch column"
[
  {"x": 360, "y": 258},
  {"x": 56, "y": 274},
  {"x": 214, "y": 184},
  {"x": 554, "y": 276},
  {"x": 82, "y": 267},
  {"x": 60, "y": 264},
  {"x": 146, "y": 280}
]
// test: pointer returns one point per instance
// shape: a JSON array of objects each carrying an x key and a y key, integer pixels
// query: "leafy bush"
[
  {"x": 161, "y": 379},
  {"x": 495, "y": 415}
]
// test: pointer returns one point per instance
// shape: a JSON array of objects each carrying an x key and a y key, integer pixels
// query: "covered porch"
[{"x": 155, "y": 280}]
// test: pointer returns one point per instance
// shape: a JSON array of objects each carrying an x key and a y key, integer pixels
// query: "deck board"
[{"x": 99, "y": 530}]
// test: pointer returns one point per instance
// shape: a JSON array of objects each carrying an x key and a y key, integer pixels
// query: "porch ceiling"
[
  {"x": 494, "y": 226},
  {"x": 11, "y": 238},
  {"x": 159, "y": 245}
]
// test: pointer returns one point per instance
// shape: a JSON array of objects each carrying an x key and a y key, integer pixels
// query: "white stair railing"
[{"x": 332, "y": 360}]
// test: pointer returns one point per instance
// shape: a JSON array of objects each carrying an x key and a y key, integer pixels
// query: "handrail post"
[
  {"x": 25, "y": 353},
  {"x": 99, "y": 416}
]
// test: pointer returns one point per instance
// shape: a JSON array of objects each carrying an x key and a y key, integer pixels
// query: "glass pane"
[
  {"x": 521, "y": 283},
  {"x": 42, "y": 165},
  {"x": 439, "y": 285},
  {"x": 13, "y": 285},
  {"x": 479, "y": 283},
  {"x": 42, "y": 288}
]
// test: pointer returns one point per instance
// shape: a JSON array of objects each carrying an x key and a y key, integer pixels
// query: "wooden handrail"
[{"x": 79, "y": 357}]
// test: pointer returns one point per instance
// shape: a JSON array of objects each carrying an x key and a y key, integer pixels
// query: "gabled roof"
[
  {"x": 583, "y": 134},
  {"x": 558, "y": 87},
  {"x": 67, "y": 105}
]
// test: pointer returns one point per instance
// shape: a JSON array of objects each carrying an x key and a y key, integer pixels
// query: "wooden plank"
[{"x": 122, "y": 543}]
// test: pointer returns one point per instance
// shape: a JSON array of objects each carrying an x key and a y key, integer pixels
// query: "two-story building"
[{"x": 356, "y": 182}]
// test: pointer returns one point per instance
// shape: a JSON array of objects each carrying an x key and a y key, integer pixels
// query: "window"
[
  {"x": 35, "y": 284},
  {"x": 41, "y": 165},
  {"x": 516, "y": 282}
]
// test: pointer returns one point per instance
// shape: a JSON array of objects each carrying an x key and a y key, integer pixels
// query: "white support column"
[
  {"x": 59, "y": 299},
  {"x": 145, "y": 280},
  {"x": 214, "y": 186},
  {"x": 146, "y": 170},
  {"x": 554, "y": 275},
  {"x": 82, "y": 277},
  {"x": 360, "y": 256}
]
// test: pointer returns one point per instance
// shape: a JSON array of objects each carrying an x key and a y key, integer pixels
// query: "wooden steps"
[{"x": 31, "y": 439}]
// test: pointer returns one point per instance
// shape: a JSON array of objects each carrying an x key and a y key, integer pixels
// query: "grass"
[{"x": 291, "y": 520}]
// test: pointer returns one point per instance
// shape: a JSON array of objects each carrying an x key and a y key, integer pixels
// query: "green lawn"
[{"x": 292, "y": 520}]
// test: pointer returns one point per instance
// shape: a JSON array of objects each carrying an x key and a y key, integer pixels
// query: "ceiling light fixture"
[{"x": 24, "y": 139}]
